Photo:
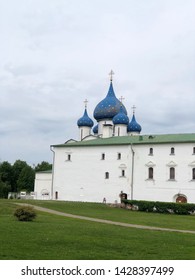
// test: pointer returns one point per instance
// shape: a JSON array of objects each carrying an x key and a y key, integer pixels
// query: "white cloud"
[{"x": 54, "y": 54}]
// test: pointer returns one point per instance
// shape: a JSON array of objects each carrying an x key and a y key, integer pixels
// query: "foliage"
[
  {"x": 18, "y": 166},
  {"x": 4, "y": 189},
  {"x": 26, "y": 179},
  {"x": 43, "y": 166},
  {"x": 19, "y": 176},
  {"x": 6, "y": 173},
  {"x": 161, "y": 207},
  {"x": 25, "y": 213}
]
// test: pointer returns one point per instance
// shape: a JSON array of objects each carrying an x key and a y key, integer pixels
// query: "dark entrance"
[{"x": 181, "y": 199}]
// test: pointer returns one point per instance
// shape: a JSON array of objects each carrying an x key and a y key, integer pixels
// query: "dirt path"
[{"x": 106, "y": 221}]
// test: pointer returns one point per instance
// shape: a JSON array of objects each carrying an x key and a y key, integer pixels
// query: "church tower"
[
  {"x": 120, "y": 122},
  {"x": 85, "y": 124},
  {"x": 133, "y": 127},
  {"x": 106, "y": 110}
]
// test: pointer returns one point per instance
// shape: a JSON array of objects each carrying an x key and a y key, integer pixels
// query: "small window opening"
[
  {"x": 106, "y": 175},
  {"x": 151, "y": 151},
  {"x": 193, "y": 174},
  {"x": 150, "y": 173},
  {"x": 172, "y": 173}
]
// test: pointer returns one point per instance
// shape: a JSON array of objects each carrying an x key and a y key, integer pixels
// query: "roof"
[
  {"x": 109, "y": 106},
  {"x": 135, "y": 140},
  {"x": 44, "y": 171},
  {"x": 133, "y": 126},
  {"x": 85, "y": 120}
]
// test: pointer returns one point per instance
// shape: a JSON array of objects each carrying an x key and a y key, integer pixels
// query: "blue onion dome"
[
  {"x": 95, "y": 129},
  {"x": 133, "y": 126},
  {"x": 121, "y": 117},
  {"x": 85, "y": 120},
  {"x": 108, "y": 107}
]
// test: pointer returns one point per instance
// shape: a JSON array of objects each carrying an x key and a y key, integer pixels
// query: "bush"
[
  {"x": 161, "y": 207},
  {"x": 25, "y": 213}
]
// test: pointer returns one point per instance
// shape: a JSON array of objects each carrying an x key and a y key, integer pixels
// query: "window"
[
  {"x": 172, "y": 173},
  {"x": 193, "y": 150},
  {"x": 151, "y": 152},
  {"x": 172, "y": 151},
  {"x": 122, "y": 173},
  {"x": 103, "y": 157},
  {"x": 150, "y": 173},
  {"x": 69, "y": 157},
  {"x": 193, "y": 174},
  {"x": 106, "y": 175},
  {"x": 119, "y": 156}
]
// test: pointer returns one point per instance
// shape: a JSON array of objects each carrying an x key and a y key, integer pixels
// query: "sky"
[{"x": 54, "y": 54}]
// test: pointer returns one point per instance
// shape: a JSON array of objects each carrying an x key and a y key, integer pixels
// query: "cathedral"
[{"x": 112, "y": 158}]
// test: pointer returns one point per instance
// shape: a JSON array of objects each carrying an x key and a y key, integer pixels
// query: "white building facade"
[{"x": 116, "y": 159}]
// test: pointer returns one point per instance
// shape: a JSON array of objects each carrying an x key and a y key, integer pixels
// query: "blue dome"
[
  {"x": 85, "y": 120},
  {"x": 95, "y": 129},
  {"x": 133, "y": 126},
  {"x": 108, "y": 107},
  {"x": 121, "y": 117}
]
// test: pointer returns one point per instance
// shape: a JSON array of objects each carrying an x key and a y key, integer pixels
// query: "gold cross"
[
  {"x": 111, "y": 75},
  {"x": 121, "y": 99},
  {"x": 133, "y": 109},
  {"x": 85, "y": 102}
]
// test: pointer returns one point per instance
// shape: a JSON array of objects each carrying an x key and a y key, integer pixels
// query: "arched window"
[
  {"x": 193, "y": 150},
  {"x": 119, "y": 156},
  {"x": 172, "y": 151},
  {"x": 150, "y": 173},
  {"x": 172, "y": 173},
  {"x": 193, "y": 174},
  {"x": 103, "y": 156},
  {"x": 151, "y": 152},
  {"x": 106, "y": 175}
]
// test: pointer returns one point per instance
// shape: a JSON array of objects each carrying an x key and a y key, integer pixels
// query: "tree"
[
  {"x": 6, "y": 174},
  {"x": 4, "y": 189},
  {"x": 43, "y": 166},
  {"x": 26, "y": 179},
  {"x": 17, "y": 169}
]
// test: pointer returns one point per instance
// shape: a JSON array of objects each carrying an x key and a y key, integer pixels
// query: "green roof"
[
  {"x": 135, "y": 140},
  {"x": 44, "y": 171}
]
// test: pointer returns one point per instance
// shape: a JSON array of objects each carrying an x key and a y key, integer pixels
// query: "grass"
[
  {"x": 57, "y": 238},
  {"x": 103, "y": 211}
]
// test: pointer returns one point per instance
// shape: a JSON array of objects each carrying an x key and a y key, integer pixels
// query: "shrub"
[
  {"x": 162, "y": 207},
  {"x": 25, "y": 213}
]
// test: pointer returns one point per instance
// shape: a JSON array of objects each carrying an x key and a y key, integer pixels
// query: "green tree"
[
  {"x": 6, "y": 174},
  {"x": 4, "y": 189},
  {"x": 43, "y": 166},
  {"x": 17, "y": 169},
  {"x": 26, "y": 179}
]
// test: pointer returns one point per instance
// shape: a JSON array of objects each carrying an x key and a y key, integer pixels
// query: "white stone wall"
[
  {"x": 43, "y": 184},
  {"x": 79, "y": 173},
  {"x": 161, "y": 188}
]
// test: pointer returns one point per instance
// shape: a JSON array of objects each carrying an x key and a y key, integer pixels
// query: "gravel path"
[{"x": 106, "y": 221}]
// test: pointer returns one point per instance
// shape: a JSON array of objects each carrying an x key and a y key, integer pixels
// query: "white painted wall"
[
  {"x": 82, "y": 178},
  {"x": 161, "y": 188},
  {"x": 43, "y": 182}
]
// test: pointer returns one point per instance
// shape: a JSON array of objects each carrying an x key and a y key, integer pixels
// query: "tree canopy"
[{"x": 19, "y": 176}]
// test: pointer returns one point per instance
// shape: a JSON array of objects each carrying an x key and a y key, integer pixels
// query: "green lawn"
[
  {"x": 58, "y": 238},
  {"x": 103, "y": 211}
]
